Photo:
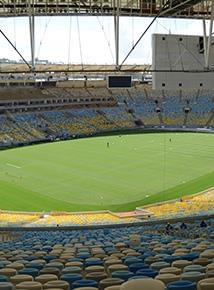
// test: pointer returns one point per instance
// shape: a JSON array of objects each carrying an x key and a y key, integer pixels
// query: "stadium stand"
[
  {"x": 146, "y": 254},
  {"x": 198, "y": 204},
  {"x": 81, "y": 219},
  {"x": 10, "y": 218},
  {"x": 17, "y": 218},
  {"x": 34, "y": 115},
  {"x": 86, "y": 114},
  {"x": 119, "y": 258}
]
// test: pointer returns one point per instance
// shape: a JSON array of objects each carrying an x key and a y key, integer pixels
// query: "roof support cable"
[
  {"x": 25, "y": 61},
  {"x": 142, "y": 35},
  {"x": 80, "y": 45},
  {"x": 69, "y": 42}
]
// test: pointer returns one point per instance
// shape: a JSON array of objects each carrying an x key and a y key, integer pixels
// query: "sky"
[{"x": 88, "y": 40}]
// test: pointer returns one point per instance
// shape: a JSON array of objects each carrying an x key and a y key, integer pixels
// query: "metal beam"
[
  {"x": 177, "y": 6},
  {"x": 32, "y": 34},
  {"x": 117, "y": 32},
  {"x": 209, "y": 41},
  {"x": 22, "y": 57},
  {"x": 146, "y": 8},
  {"x": 205, "y": 39},
  {"x": 32, "y": 40},
  {"x": 103, "y": 71}
]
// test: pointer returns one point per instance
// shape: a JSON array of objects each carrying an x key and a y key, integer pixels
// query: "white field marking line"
[{"x": 12, "y": 165}]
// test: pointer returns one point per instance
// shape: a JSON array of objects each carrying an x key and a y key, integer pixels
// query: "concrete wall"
[{"x": 180, "y": 53}]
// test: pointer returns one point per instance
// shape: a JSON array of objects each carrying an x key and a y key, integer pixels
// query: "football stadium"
[{"x": 106, "y": 145}]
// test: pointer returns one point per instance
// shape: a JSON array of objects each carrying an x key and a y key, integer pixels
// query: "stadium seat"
[
  {"x": 57, "y": 284},
  {"x": 207, "y": 254},
  {"x": 191, "y": 268},
  {"x": 172, "y": 270},
  {"x": 210, "y": 267},
  {"x": 16, "y": 266},
  {"x": 209, "y": 274},
  {"x": 93, "y": 269},
  {"x": 117, "y": 267},
  {"x": 131, "y": 260},
  {"x": 150, "y": 260},
  {"x": 192, "y": 276},
  {"x": 29, "y": 271},
  {"x": 139, "y": 284},
  {"x": 182, "y": 285},
  {"x": 72, "y": 269},
  {"x": 16, "y": 279},
  {"x": 74, "y": 264},
  {"x": 84, "y": 283},
  {"x": 93, "y": 262},
  {"x": 55, "y": 289},
  {"x": 50, "y": 270},
  {"x": 206, "y": 284},
  {"x": 29, "y": 285},
  {"x": 147, "y": 272},
  {"x": 6, "y": 286},
  {"x": 70, "y": 278},
  {"x": 111, "y": 261},
  {"x": 137, "y": 266},
  {"x": 110, "y": 282},
  {"x": 46, "y": 278},
  {"x": 201, "y": 261},
  {"x": 159, "y": 265},
  {"x": 97, "y": 276},
  {"x": 4, "y": 278},
  {"x": 9, "y": 272},
  {"x": 181, "y": 264},
  {"x": 122, "y": 274},
  {"x": 57, "y": 265},
  {"x": 87, "y": 288},
  {"x": 139, "y": 277},
  {"x": 167, "y": 278},
  {"x": 113, "y": 288}
]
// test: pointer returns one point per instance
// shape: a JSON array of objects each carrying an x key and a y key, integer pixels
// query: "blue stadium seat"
[{"x": 182, "y": 285}]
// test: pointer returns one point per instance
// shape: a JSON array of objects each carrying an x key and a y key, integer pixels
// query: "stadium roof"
[
  {"x": 166, "y": 8},
  {"x": 75, "y": 68}
]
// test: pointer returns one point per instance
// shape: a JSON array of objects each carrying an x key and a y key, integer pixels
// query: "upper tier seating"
[{"x": 137, "y": 106}]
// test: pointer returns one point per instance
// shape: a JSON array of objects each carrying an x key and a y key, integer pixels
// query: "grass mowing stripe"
[
  {"x": 14, "y": 197},
  {"x": 194, "y": 186},
  {"x": 36, "y": 201}
]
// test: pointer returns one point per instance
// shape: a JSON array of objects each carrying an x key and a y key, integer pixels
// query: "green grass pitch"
[{"x": 84, "y": 174}]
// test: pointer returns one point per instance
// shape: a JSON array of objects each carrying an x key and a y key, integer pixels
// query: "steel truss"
[{"x": 174, "y": 8}]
